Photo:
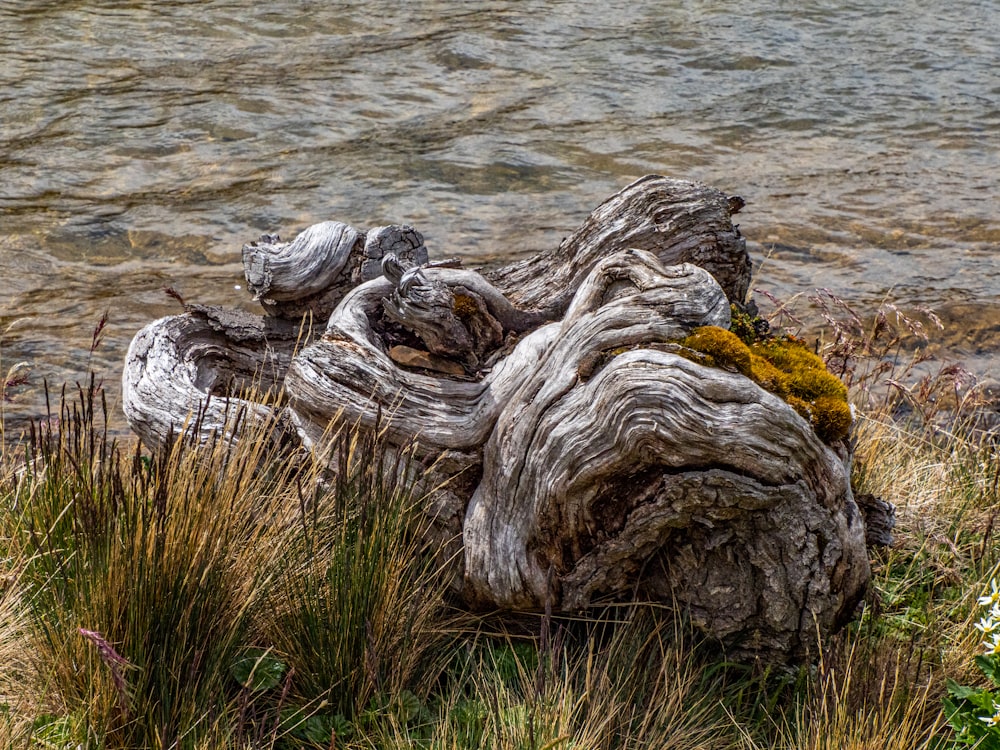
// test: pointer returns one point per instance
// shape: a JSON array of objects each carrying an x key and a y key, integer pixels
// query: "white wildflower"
[
  {"x": 992, "y": 597},
  {"x": 992, "y": 721},
  {"x": 987, "y": 625}
]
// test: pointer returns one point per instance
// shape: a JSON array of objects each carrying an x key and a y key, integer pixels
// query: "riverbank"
[
  {"x": 143, "y": 146},
  {"x": 184, "y": 600}
]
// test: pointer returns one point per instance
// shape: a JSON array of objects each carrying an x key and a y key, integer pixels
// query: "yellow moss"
[
  {"x": 699, "y": 358},
  {"x": 788, "y": 355},
  {"x": 805, "y": 411},
  {"x": 784, "y": 366},
  {"x": 768, "y": 377},
  {"x": 464, "y": 306},
  {"x": 831, "y": 417},
  {"x": 723, "y": 346},
  {"x": 813, "y": 384},
  {"x": 805, "y": 383}
]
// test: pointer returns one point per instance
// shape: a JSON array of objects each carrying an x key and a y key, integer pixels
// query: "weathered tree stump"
[{"x": 579, "y": 452}]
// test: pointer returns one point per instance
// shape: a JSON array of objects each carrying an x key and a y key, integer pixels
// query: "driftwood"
[
  {"x": 183, "y": 372},
  {"x": 578, "y": 454},
  {"x": 310, "y": 274}
]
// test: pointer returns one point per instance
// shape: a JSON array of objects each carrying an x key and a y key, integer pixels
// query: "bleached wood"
[
  {"x": 310, "y": 274},
  {"x": 578, "y": 453},
  {"x": 186, "y": 373},
  {"x": 659, "y": 478},
  {"x": 281, "y": 272},
  {"x": 348, "y": 372},
  {"x": 676, "y": 220},
  {"x": 603, "y": 446},
  {"x": 455, "y": 313}
]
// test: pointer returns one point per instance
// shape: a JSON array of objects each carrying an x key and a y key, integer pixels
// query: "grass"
[{"x": 208, "y": 597}]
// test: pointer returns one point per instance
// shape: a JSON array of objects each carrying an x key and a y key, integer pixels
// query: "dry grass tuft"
[{"x": 216, "y": 596}]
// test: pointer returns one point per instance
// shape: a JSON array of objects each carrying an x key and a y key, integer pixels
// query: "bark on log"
[
  {"x": 588, "y": 455},
  {"x": 880, "y": 520}
]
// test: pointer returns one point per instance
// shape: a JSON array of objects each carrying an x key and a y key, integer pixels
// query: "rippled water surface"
[{"x": 142, "y": 143}]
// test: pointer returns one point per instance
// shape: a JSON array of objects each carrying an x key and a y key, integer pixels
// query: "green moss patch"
[{"x": 785, "y": 367}]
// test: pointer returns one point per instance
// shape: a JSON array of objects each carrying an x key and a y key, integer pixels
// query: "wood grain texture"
[
  {"x": 349, "y": 373},
  {"x": 312, "y": 273},
  {"x": 661, "y": 478},
  {"x": 187, "y": 372},
  {"x": 676, "y": 220},
  {"x": 578, "y": 452}
]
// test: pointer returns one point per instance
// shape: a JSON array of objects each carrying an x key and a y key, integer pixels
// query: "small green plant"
[
  {"x": 257, "y": 670},
  {"x": 49, "y": 732},
  {"x": 747, "y": 324},
  {"x": 974, "y": 712}
]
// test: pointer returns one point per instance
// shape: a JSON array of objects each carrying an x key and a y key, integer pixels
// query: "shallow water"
[{"x": 142, "y": 143}]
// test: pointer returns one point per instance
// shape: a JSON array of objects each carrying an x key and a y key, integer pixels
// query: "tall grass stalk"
[
  {"x": 621, "y": 679},
  {"x": 157, "y": 564},
  {"x": 136, "y": 589},
  {"x": 141, "y": 583},
  {"x": 861, "y": 700},
  {"x": 358, "y": 604}
]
